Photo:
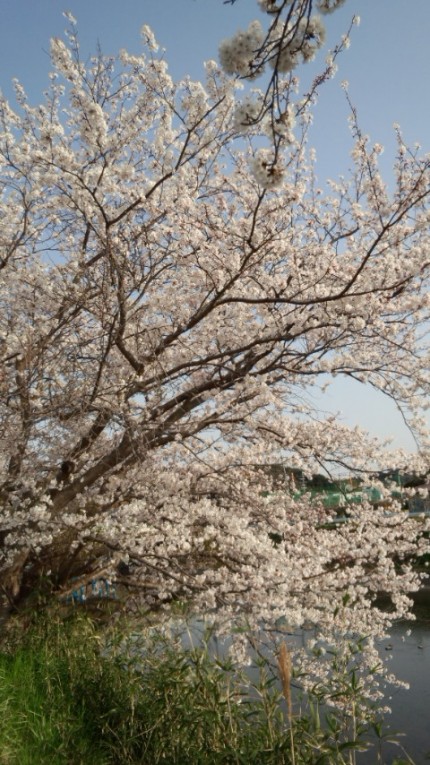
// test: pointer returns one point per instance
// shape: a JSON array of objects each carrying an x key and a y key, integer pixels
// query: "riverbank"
[
  {"x": 69, "y": 694},
  {"x": 106, "y": 695},
  {"x": 72, "y": 693}
]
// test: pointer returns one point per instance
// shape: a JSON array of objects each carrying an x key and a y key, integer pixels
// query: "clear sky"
[{"x": 387, "y": 67}]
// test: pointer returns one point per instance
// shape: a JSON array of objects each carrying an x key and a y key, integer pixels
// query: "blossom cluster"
[
  {"x": 328, "y": 6},
  {"x": 267, "y": 171},
  {"x": 299, "y": 44},
  {"x": 269, "y": 6},
  {"x": 237, "y": 54}
]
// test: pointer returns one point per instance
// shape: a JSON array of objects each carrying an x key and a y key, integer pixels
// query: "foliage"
[
  {"x": 70, "y": 693},
  {"x": 60, "y": 700}
]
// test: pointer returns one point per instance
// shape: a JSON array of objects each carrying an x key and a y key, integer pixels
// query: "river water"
[
  {"x": 408, "y": 656},
  {"x": 410, "y": 708}
]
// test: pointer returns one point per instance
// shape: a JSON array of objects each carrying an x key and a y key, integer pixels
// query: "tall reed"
[{"x": 285, "y": 671}]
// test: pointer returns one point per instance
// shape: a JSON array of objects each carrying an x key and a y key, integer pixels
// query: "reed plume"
[{"x": 285, "y": 671}]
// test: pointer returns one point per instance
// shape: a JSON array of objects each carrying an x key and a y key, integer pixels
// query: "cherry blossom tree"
[{"x": 165, "y": 311}]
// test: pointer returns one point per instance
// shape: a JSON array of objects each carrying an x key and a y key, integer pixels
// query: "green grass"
[
  {"x": 63, "y": 700},
  {"x": 60, "y": 701},
  {"x": 71, "y": 692}
]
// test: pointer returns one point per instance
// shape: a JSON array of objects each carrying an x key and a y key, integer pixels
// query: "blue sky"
[{"x": 387, "y": 67}]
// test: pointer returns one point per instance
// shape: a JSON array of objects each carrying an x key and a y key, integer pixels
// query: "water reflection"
[{"x": 410, "y": 660}]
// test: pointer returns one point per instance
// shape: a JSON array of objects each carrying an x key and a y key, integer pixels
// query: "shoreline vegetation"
[
  {"x": 80, "y": 684},
  {"x": 75, "y": 690}
]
